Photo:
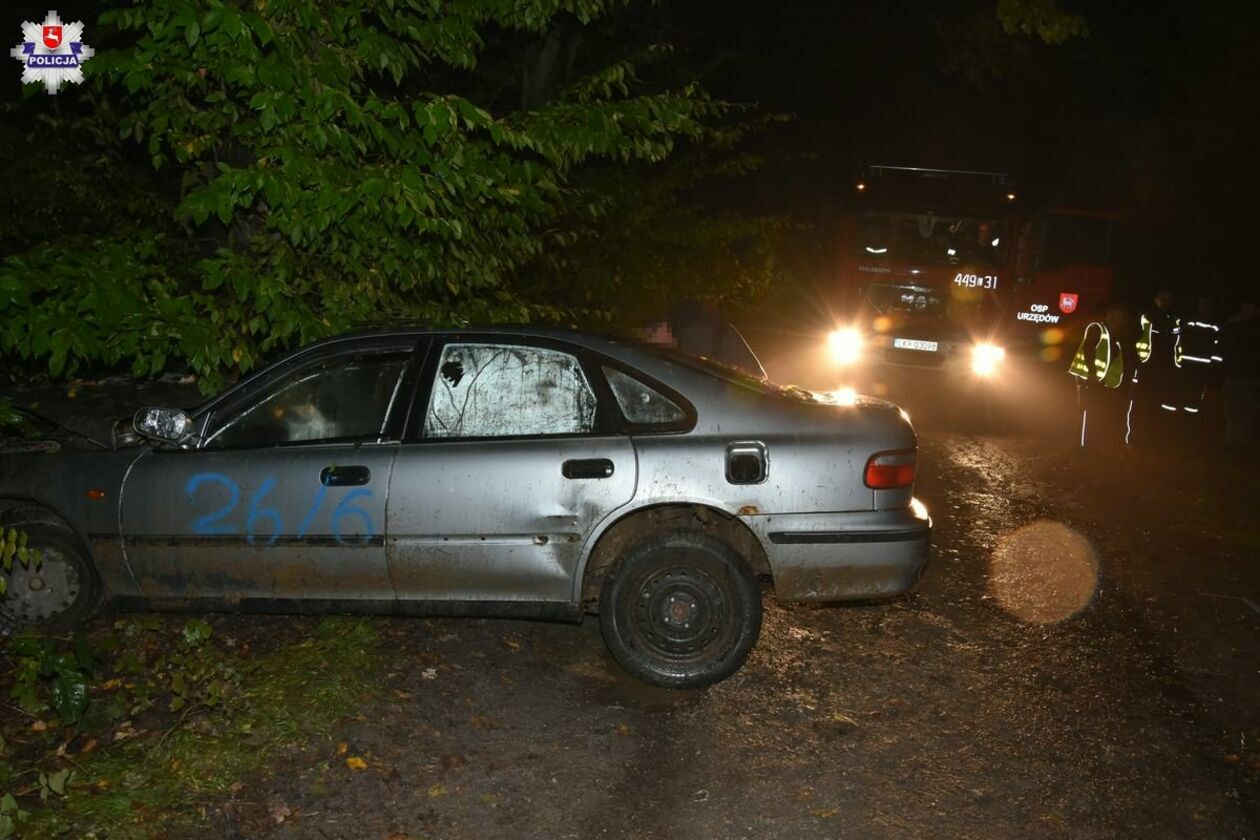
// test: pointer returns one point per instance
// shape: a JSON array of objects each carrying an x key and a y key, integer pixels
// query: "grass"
[{"x": 150, "y": 785}]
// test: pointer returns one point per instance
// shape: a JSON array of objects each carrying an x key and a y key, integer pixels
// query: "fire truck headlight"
[
  {"x": 845, "y": 345},
  {"x": 986, "y": 358}
]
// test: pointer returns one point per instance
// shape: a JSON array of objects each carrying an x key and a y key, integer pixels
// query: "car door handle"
[
  {"x": 344, "y": 476},
  {"x": 587, "y": 468}
]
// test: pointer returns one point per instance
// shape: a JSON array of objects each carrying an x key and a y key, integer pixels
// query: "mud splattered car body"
[{"x": 504, "y": 472}]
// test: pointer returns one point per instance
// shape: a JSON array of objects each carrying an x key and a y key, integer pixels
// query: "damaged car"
[{"x": 520, "y": 472}]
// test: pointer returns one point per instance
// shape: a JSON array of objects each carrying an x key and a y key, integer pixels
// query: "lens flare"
[
  {"x": 985, "y": 358},
  {"x": 1053, "y": 336},
  {"x": 1043, "y": 573}
]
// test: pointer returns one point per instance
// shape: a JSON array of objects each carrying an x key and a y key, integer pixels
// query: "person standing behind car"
[
  {"x": 698, "y": 329},
  {"x": 1240, "y": 350}
]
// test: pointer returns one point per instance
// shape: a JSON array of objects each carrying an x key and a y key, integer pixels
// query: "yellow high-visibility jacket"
[{"x": 1103, "y": 361}]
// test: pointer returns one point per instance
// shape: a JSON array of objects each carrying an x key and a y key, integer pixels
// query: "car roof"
[{"x": 582, "y": 338}]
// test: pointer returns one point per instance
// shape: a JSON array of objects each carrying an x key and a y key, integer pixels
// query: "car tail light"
[{"x": 890, "y": 470}]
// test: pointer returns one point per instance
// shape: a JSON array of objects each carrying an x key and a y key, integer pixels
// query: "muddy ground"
[{"x": 1012, "y": 694}]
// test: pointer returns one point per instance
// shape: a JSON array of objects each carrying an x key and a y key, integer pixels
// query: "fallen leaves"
[
  {"x": 354, "y": 762},
  {"x": 279, "y": 811}
]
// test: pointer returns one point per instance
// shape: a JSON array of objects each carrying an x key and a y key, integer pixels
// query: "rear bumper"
[{"x": 818, "y": 557}]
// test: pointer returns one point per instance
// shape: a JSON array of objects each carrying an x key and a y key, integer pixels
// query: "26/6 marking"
[{"x": 268, "y": 520}]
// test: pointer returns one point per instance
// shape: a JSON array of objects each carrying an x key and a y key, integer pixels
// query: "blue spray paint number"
[
  {"x": 344, "y": 509},
  {"x": 205, "y": 524},
  {"x": 310, "y": 515},
  {"x": 269, "y": 519},
  {"x": 266, "y": 514}
]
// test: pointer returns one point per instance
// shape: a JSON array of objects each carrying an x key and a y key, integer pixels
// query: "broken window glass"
[
  {"x": 496, "y": 390},
  {"x": 641, "y": 404},
  {"x": 347, "y": 397}
]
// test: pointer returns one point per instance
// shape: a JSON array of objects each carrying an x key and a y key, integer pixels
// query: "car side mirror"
[{"x": 167, "y": 425}]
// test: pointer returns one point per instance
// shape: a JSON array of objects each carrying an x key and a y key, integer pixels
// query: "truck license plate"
[{"x": 915, "y": 344}]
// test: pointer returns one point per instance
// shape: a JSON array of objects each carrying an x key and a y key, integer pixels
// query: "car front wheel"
[
  {"x": 56, "y": 589},
  {"x": 680, "y": 610}
]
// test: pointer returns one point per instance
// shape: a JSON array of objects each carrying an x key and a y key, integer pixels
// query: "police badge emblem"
[{"x": 52, "y": 52}]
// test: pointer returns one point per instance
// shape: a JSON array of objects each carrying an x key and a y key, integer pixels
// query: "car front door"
[
  {"x": 285, "y": 496},
  {"x": 514, "y": 463}
]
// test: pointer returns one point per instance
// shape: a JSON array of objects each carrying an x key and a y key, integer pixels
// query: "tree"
[{"x": 331, "y": 170}]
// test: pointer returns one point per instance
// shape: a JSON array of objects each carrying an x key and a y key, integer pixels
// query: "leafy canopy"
[{"x": 327, "y": 176}]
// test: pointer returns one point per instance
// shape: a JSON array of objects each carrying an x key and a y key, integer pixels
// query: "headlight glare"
[
  {"x": 845, "y": 345},
  {"x": 985, "y": 358}
]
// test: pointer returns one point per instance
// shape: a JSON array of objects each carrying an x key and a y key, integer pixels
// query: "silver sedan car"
[{"x": 510, "y": 472}]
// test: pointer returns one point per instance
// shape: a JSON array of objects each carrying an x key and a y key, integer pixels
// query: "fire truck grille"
[{"x": 919, "y": 358}]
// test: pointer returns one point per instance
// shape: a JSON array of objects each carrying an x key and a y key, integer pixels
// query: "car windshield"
[{"x": 930, "y": 238}]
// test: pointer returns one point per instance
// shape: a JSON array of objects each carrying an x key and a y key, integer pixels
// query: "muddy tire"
[
  {"x": 56, "y": 593},
  {"x": 680, "y": 610}
]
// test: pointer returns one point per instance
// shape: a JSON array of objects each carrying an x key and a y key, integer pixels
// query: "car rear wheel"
[
  {"x": 680, "y": 610},
  {"x": 57, "y": 589}
]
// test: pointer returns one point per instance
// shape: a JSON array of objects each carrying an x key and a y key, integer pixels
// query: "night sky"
[{"x": 1155, "y": 115}]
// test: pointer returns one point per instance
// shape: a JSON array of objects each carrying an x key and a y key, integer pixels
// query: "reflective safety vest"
[
  {"x": 1102, "y": 361},
  {"x": 1199, "y": 344},
  {"x": 1143, "y": 343}
]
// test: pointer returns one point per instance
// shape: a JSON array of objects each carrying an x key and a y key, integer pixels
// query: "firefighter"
[
  {"x": 1198, "y": 356},
  {"x": 1099, "y": 370},
  {"x": 1155, "y": 381}
]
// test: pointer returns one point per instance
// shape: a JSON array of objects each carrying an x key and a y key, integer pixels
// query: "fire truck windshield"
[
  {"x": 931, "y": 238},
  {"x": 923, "y": 300}
]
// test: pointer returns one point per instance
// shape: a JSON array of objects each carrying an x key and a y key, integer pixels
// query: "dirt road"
[{"x": 943, "y": 714}]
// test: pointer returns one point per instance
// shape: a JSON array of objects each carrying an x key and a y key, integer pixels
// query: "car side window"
[
  {"x": 640, "y": 403},
  {"x": 343, "y": 398},
  {"x": 503, "y": 390}
]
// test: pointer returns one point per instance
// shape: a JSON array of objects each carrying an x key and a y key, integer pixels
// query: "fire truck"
[{"x": 951, "y": 270}]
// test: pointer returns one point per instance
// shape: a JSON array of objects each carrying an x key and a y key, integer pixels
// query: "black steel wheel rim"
[{"x": 680, "y": 611}]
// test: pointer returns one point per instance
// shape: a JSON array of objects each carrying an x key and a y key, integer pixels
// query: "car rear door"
[
  {"x": 514, "y": 459},
  {"x": 285, "y": 496}
]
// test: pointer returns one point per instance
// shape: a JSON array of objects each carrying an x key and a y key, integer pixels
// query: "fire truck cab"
[{"x": 951, "y": 270}]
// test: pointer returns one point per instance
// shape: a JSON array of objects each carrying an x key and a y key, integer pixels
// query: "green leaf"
[
  {"x": 197, "y": 632},
  {"x": 57, "y": 781}
]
